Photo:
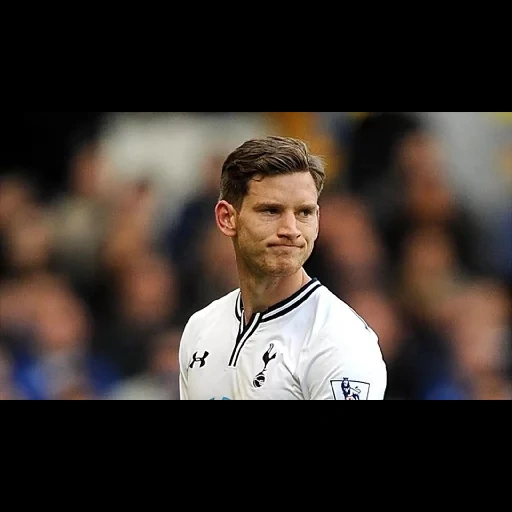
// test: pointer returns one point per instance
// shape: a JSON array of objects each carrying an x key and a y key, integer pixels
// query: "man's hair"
[{"x": 269, "y": 156}]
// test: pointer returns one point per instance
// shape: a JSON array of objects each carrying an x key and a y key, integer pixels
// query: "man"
[{"x": 281, "y": 335}]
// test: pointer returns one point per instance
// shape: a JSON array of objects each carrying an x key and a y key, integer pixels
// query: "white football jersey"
[{"x": 311, "y": 346}]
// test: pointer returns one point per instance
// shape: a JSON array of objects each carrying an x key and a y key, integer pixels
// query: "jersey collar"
[{"x": 284, "y": 307}]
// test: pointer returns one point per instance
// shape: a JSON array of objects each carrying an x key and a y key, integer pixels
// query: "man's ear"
[{"x": 225, "y": 215}]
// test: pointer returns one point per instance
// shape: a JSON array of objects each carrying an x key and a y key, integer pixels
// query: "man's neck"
[{"x": 259, "y": 294}]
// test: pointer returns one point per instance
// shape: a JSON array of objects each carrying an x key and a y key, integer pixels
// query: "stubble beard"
[{"x": 266, "y": 264}]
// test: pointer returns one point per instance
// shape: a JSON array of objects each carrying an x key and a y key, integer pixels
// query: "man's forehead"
[{"x": 299, "y": 186}]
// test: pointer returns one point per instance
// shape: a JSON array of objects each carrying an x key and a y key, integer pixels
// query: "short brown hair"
[{"x": 268, "y": 156}]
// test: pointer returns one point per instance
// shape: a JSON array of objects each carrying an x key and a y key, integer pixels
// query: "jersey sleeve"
[
  {"x": 344, "y": 364},
  {"x": 185, "y": 343}
]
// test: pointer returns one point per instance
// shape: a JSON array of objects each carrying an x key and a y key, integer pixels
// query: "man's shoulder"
[
  {"x": 337, "y": 316},
  {"x": 216, "y": 308}
]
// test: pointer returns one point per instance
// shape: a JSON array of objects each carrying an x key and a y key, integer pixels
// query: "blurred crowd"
[{"x": 102, "y": 265}]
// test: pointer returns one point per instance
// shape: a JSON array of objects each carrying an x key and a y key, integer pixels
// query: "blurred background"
[{"x": 108, "y": 244}]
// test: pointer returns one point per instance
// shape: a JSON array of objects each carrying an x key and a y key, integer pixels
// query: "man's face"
[{"x": 277, "y": 225}]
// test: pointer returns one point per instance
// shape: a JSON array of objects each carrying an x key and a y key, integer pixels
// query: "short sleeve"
[
  {"x": 344, "y": 364},
  {"x": 185, "y": 342}
]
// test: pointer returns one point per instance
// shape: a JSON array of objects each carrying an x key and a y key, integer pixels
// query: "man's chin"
[{"x": 283, "y": 270}]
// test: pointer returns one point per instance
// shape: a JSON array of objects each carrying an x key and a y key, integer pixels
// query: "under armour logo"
[
  {"x": 260, "y": 379},
  {"x": 201, "y": 360}
]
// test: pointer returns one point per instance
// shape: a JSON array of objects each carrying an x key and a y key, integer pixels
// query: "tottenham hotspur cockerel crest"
[{"x": 261, "y": 378}]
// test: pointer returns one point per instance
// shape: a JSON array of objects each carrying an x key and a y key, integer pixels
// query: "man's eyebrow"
[
  {"x": 267, "y": 204},
  {"x": 274, "y": 204}
]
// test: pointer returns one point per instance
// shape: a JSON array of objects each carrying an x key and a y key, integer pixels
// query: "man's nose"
[{"x": 289, "y": 227}]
